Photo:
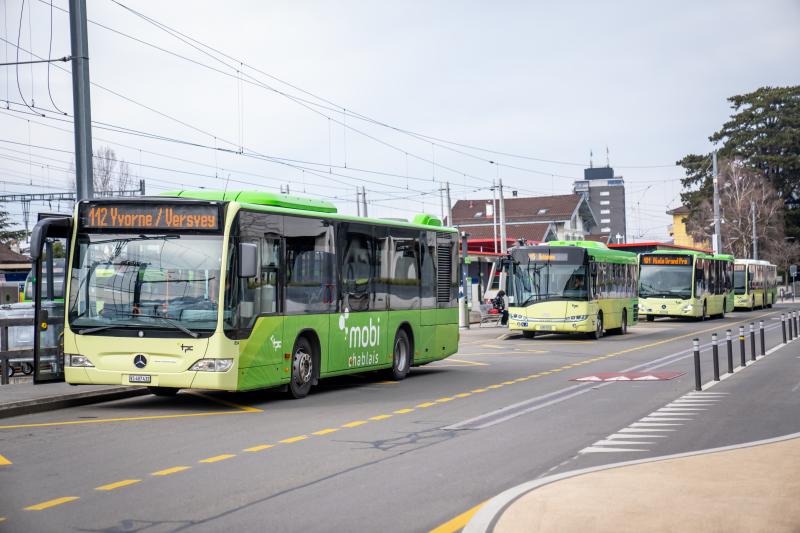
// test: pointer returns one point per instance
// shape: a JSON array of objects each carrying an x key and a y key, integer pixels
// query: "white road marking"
[
  {"x": 657, "y": 414},
  {"x": 620, "y": 442},
  {"x": 643, "y": 435},
  {"x": 600, "y": 449},
  {"x": 642, "y": 430},
  {"x": 659, "y": 419},
  {"x": 679, "y": 409},
  {"x": 794, "y": 389},
  {"x": 652, "y": 424}
]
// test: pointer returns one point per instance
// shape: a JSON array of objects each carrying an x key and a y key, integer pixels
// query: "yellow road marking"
[
  {"x": 495, "y": 386},
  {"x": 463, "y": 394},
  {"x": 354, "y": 424},
  {"x": 389, "y": 382},
  {"x": 445, "y": 399},
  {"x": 457, "y": 523},
  {"x": 473, "y": 363},
  {"x": 259, "y": 447},
  {"x": 478, "y": 390},
  {"x": 493, "y": 346},
  {"x": 122, "y": 419},
  {"x": 51, "y": 503},
  {"x": 403, "y": 411},
  {"x": 380, "y": 417},
  {"x": 507, "y": 383},
  {"x": 426, "y": 404},
  {"x": 168, "y": 471},
  {"x": 118, "y": 484},
  {"x": 217, "y": 458},
  {"x": 4, "y": 461},
  {"x": 220, "y": 401},
  {"x": 325, "y": 431},
  {"x": 294, "y": 439},
  {"x": 2, "y": 518}
]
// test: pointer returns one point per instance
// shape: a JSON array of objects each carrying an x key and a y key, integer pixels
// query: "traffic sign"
[{"x": 793, "y": 270}]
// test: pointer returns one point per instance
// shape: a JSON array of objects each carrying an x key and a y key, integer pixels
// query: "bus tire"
[
  {"x": 529, "y": 334},
  {"x": 302, "y": 368},
  {"x": 164, "y": 392},
  {"x": 401, "y": 355},
  {"x": 598, "y": 330},
  {"x": 623, "y": 329},
  {"x": 650, "y": 318}
]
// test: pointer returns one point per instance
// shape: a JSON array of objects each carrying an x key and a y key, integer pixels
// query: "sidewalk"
[
  {"x": 22, "y": 399},
  {"x": 749, "y": 487}
]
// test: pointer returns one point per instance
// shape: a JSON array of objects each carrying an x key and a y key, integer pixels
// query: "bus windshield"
[
  {"x": 537, "y": 282},
  {"x": 657, "y": 281},
  {"x": 739, "y": 281},
  {"x": 145, "y": 281}
]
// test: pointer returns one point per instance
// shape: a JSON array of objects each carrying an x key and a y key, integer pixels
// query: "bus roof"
[
  {"x": 298, "y": 205},
  {"x": 597, "y": 250},
  {"x": 752, "y": 262}
]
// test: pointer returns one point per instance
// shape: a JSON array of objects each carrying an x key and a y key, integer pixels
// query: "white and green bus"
[
  {"x": 755, "y": 283},
  {"x": 244, "y": 290},
  {"x": 685, "y": 283},
  {"x": 572, "y": 287}
]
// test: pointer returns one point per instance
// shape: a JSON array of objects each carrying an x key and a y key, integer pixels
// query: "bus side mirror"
[{"x": 248, "y": 260}]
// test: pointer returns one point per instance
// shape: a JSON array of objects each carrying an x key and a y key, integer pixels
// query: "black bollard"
[
  {"x": 730, "y": 351},
  {"x": 791, "y": 327},
  {"x": 715, "y": 352},
  {"x": 697, "y": 377},
  {"x": 742, "y": 354},
  {"x": 761, "y": 334},
  {"x": 752, "y": 341},
  {"x": 783, "y": 327}
]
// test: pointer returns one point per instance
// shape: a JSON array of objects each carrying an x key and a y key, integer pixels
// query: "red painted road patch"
[{"x": 630, "y": 376}]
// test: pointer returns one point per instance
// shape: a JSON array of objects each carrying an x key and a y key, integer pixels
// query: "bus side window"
[
  {"x": 310, "y": 271},
  {"x": 358, "y": 261},
  {"x": 593, "y": 285},
  {"x": 404, "y": 278}
]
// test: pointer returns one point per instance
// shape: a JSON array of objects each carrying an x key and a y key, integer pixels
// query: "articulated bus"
[
  {"x": 244, "y": 290},
  {"x": 572, "y": 287},
  {"x": 685, "y": 283},
  {"x": 755, "y": 283}
]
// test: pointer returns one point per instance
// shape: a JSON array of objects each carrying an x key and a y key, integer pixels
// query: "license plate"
[
  {"x": 138, "y": 379},
  {"x": 545, "y": 328}
]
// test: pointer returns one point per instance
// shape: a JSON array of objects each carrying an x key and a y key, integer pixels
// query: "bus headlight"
[
  {"x": 212, "y": 365},
  {"x": 577, "y": 318},
  {"x": 77, "y": 360},
  {"x": 517, "y": 316},
  {"x": 687, "y": 308}
]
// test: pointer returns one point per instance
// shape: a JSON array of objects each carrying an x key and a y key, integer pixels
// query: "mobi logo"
[{"x": 365, "y": 336}]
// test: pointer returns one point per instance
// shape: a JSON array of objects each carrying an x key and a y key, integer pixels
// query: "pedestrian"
[{"x": 499, "y": 303}]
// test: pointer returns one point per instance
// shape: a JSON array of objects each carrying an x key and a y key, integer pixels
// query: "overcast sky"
[{"x": 548, "y": 80}]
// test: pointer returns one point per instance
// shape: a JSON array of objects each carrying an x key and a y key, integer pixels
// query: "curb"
[
  {"x": 52, "y": 403},
  {"x": 487, "y": 516}
]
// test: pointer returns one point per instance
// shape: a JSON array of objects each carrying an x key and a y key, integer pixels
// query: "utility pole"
[
  {"x": 494, "y": 215},
  {"x": 84, "y": 179},
  {"x": 358, "y": 200},
  {"x": 364, "y": 198},
  {"x": 441, "y": 203},
  {"x": 463, "y": 307},
  {"x": 755, "y": 239},
  {"x": 449, "y": 205},
  {"x": 717, "y": 231},
  {"x": 502, "y": 219}
]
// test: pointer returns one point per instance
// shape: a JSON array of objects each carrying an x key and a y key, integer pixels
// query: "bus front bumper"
[
  {"x": 669, "y": 308},
  {"x": 586, "y": 325},
  {"x": 743, "y": 302},
  {"x": 178, "y": 380}
]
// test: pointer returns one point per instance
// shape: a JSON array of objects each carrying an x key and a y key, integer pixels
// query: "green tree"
[
  {"x": 7, "y": 235},
  {"x": 764, "y": 133}
]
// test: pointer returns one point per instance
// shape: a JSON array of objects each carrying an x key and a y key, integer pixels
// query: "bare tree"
[
  {"x": 110, "y": 175},
  {"x": 782, "y": 254},
  {"x": 742, "y": 190}
]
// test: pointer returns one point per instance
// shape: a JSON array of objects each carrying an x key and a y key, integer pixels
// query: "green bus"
[
  {"x": 685, "y": 283},
  {"x": 572, "y": 287},
  {"x": 755, "y": 283},
  {"x": 247, "y": 290}
]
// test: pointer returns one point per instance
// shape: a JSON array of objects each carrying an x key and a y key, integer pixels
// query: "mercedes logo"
[{"x": 139, "y": 361}]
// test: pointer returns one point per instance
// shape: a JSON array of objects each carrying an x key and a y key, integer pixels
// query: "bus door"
[{"x": 50, "y": 242}]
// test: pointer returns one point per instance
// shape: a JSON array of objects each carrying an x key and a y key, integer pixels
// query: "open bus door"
[{"x": 50, "y": 242}]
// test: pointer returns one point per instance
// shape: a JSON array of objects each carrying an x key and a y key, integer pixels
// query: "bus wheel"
[
  {"x": 651, "y": 318},
  {"x": 598, "y": 331},
  {"x": 401, "y": 355},
  {"x": 624, "y": 327},
  {"x": 302, "y": 369},
  {"x": 529, "y": 334},
  {"x": 163, "y": 391}
]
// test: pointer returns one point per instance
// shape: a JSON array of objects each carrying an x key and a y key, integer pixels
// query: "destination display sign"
[
  {"x": 152, "y": 216},
  {"x": 552, "y": 257},
  {"x": 549, "y": 254},
  {"x": 667, "y": 260}
]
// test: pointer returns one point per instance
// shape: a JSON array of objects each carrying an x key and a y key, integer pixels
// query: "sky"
[{"x": 549, "y": 81}]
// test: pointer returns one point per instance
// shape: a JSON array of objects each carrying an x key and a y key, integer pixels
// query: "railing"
[{"x": 23, "y": 357}]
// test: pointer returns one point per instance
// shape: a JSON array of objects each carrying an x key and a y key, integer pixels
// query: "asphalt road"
[{"x": 362, "y": 454}]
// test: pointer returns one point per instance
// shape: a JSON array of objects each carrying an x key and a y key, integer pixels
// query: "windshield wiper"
[
  {"x": 100, "y": 328},
  {"x": 169, "y": 321}
]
